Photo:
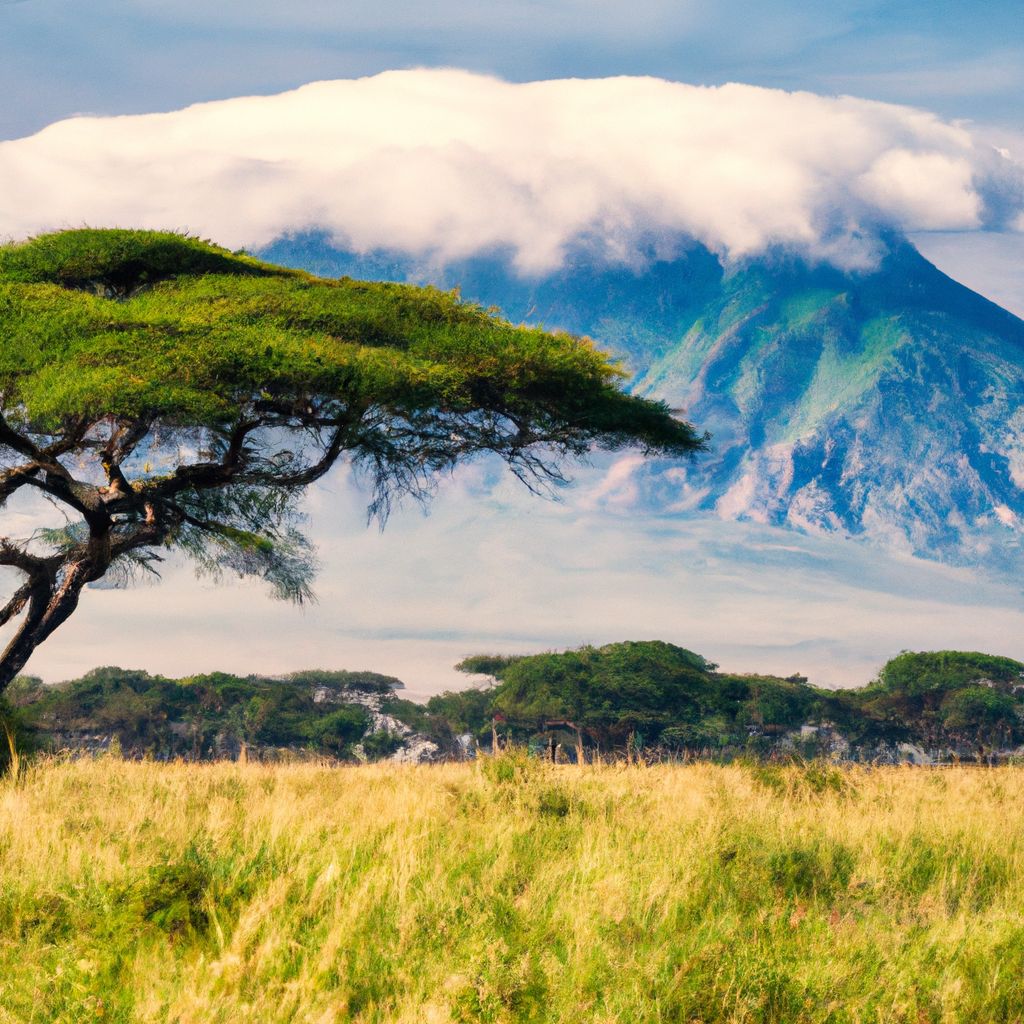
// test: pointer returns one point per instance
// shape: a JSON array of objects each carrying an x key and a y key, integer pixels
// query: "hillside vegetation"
[
  {"x": 652, "y": 695},
  {"x": 647, "y": 699},
  {"x": 509, "y": 891},
  {"x": 214, "y": 716}
]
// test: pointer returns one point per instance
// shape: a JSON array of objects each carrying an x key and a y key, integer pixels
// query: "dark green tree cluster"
[
  {"x": 635, "y": 692},
  {"x": 959, "y": 702},
  {"x": 615, "y": 699},
  {"x": 167, "y": 394},
  {"x": 957, "y": 699},
  {"x": 208, "y": 715}
]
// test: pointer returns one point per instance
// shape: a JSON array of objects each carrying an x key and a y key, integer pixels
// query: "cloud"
[
  {"x": 445, "y": 163},
  {"x": 504, "y": 571}
]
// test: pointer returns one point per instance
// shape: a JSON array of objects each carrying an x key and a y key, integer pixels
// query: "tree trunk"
[
  {"x": 23, "y": 643},
  {"x": 50, "y": 604}
]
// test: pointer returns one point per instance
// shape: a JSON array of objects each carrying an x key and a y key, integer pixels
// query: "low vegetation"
[
  {"x": 341, "y": 715},
  {"x": 647, "y": 700},
  {"x": 509, "y": 890},
  {"x": 665, "y": 700}
]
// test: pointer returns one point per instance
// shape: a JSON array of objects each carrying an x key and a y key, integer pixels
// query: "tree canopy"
[
  {"x": 204, "y": 716},
  {"x": 954, "y": 700},
  {"x": 167, "y": 393},
  {"x": 664, "y": 692},
  {"x": 617, "y": 698},
  {"x": 915, "y": 673}
]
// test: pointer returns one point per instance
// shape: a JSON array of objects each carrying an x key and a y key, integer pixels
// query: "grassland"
[{"x": 512, "y": 891}]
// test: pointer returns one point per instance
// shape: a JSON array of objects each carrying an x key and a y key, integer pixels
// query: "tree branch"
[
  {"x": 15, "y": 604},
  {"x": 19, "y": 558},
  {"x": 17, "y": 442}
]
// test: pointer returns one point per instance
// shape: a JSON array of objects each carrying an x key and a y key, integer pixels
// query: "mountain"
[{"x": 885, "y": 404}]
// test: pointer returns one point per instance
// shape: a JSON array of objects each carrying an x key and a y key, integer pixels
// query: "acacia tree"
[{"x": 164, "y": 393}]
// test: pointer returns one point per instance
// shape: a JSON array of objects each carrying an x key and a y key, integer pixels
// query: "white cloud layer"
[
  {"x": 493, "y": 568},
  {"x": 445, "y": 163}
]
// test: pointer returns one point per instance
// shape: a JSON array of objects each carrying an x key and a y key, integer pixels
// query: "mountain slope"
[{"x": 888, "y": 404}]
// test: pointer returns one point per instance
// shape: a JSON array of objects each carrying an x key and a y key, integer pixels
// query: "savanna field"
[{"x": 510, "y": 890}]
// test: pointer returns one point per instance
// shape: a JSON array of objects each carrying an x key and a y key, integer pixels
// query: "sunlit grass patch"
[{"x": 509, "y": 891}]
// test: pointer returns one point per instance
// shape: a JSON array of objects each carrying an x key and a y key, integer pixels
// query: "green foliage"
[
  {"x": 118, "y": 261},
  {"x": 916, "y": 673},
  {"x": 17, "y": 736},
  {"x": 487, "y": 664},
  {"x": 382, "y": 744},
  {"x": 981, "y": 713},
  {"x": 163, "y": 393},
  {"x": 176, "y": 896},
  {"x": 337, "y": 731},
  {"x": 670, "y": 695},
  {"x": 947, "y": 698},
  {"x": 646, "y": 697},
  {"x": 607, "y": 691},
  {"x": 24, "y": 690},
  {"x": 198, "y": 332},
  {"x": 819, "y": 869},
  {"x": 416, "y": 716},
  {"x": 464, "y": 711},
  {"x": 556, "y": 801},
  {"x": 677, "y": 702},
  {"x": 798, "y": 777},
  {"x": 338, "y": 681},
  {"x": 513, "y": 768},
  {"x": 207, "y": 715}
]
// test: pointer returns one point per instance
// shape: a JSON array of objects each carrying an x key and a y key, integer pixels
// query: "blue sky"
[{"x": 59, "y": 57}]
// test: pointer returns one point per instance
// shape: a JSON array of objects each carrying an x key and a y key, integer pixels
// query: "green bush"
[
  {"x": 512, "y": 768},
  {"x": 808, "y": 870},
  {"x": 176, "y": 896},
  {"x": 554, "y": 802},
  {"x": 382, "y": 744}
]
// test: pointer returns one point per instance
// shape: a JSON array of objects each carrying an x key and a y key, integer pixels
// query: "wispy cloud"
[{"x": 503, "y": 571}]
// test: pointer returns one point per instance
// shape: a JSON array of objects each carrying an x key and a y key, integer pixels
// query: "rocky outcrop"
[{"x": 411, "y": 747}]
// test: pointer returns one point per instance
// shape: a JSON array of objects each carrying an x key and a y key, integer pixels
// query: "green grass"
[
  {"x": 842, "y": 377},
  {"x": 510, "y": 891}
]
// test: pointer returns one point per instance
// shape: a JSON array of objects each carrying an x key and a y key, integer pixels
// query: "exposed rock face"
[
  {"x": 886, "y": 404},
  {"x": 414, "y": 749}
]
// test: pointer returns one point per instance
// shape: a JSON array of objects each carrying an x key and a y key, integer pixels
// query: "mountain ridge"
[{"x": 882, "y": 404}]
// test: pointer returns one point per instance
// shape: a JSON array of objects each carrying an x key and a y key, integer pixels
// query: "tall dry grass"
[{"x": 513, "y": 892}]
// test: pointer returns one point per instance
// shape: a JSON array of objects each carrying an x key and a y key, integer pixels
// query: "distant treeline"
[
  {"x": 646, "y": 698},
  {"x": 659, "y": 698},
  {"x": 211, "y": 716}
]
